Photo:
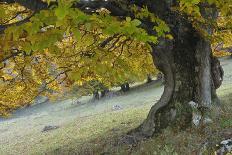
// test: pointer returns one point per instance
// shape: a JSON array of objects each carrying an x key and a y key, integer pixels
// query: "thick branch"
[
  {"x": 3, "y": 27},
  {"x": 34, "y": 5},
  {"x": 85, "y": 6}
]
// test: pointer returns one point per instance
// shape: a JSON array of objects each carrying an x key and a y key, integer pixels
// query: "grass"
[
  {"x": 90, "y": 135},
  {"x": 98, "y": 133},
  {"x": 79, "y": 125},
  {"x": 82, "y": 135}
]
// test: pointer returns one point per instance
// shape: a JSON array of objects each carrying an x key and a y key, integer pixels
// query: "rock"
[
  {"x": 224, "y": 147},
  {"x": 76, "y": 102},
  {"x": 117, "y": 107},
  {"x": 196, "y": 115},
  {"x": 196, "y": 118},
  {"x": 40, "y": 99},
  {"x": 193, "y": 104},
  {"x": 49, "y": 128},
  {"x": 207, "y": 120}
]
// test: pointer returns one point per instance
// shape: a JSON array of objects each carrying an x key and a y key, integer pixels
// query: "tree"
[{"x": 178, "y": 34}]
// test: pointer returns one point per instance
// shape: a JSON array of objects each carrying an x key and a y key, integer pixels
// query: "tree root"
[{"x": 151, "y": 124}]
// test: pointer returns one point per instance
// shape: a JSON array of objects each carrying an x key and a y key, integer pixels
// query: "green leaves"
[
  {"x": 136, "y": 22},
  {"x": 63, "y": 9},
  {"x": 2, "y": 12},
  {"x": 128, "y": 19},
  {"x": 61, "y": 12},
  {"x": 76, "y": 33}
]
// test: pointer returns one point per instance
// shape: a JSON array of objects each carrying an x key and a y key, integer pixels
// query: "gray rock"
[
  {"x": 193, "y": 104},
  {"x": 196, "y": 118},
  {"x": 225, "y": 147},
  {"x": 207, "y": 120},
  {"x": 49, "y": 128},
  {"x": 117, "y": 107}
]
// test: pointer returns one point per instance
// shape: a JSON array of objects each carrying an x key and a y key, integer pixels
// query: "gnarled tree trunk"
[{"x": 191, "y": 74}]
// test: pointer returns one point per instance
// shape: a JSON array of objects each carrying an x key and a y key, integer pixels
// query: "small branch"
[
  {"x": 4, "y": 27},
  {"x": 15, "y": 16},
  {"x": 105, "y": 42},
  {"x": 10, "y": 56}
]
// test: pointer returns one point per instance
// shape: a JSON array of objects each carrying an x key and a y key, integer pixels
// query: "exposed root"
[{"x": 161, "y": 56}]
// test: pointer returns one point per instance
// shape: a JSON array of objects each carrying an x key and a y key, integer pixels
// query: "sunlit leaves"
[
  {"x": 161, "y": 27},
  {"x": 63, "y": 9},
  {"x": 63, "y": 47},
  {"x": 190, "y": 7}
]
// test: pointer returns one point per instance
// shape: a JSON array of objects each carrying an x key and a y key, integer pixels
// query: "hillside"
[{"x": 88, "y": 127}]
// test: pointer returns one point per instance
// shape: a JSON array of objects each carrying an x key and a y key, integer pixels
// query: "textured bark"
[
  {"x": 190, "y": 72},
  {"x": 161, "y": 58},
  {"x": 187, "y": 78},
  {"x": 127, "y": 86},
  {"x": 96, "y": 95},
  {"x": 149, "y": 79},
  {"x": 203, "y": 52},
  {"x": 104, "y": 92}
]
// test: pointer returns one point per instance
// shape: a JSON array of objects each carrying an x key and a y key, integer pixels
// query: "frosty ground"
[{"x": 88, "y": 127}]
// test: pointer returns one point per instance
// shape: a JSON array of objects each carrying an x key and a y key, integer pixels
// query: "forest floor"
[{"x": 94, "y": 127}]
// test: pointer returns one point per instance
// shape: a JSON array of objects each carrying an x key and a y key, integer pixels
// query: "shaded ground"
[{"x": 88, "y": 127}]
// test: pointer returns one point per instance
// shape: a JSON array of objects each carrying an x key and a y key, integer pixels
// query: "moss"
[{"x": 183, "y": 116}]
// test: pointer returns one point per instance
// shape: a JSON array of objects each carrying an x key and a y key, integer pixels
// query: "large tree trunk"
[{"x": 191, "y": 74}]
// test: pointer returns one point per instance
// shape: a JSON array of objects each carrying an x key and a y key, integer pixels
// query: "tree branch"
[
  {"x": 34, "y": 5},
  {"x": 4, "y": 27}
]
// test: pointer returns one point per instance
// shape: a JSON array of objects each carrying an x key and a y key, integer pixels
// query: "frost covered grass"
[
  {"x": 94, "y": 128},
  {"x": 99, "y": 134},
  {"x": 79, "y": 123}
]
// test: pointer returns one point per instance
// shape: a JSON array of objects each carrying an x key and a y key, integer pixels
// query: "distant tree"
[
  {"x": 149, "y": 78},
  {"x": 125, "y": 87}
]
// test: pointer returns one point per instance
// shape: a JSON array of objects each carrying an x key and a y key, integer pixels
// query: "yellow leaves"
[
  {"x": 54, "y": 86},
  {"x": 9, "y": 11},
  {"x": 7, "y": 77},
  {"x": 13, "y": 96},
  {"x": 8, "y": 72},
  {"x": 169, "y": 36},
  {"x": 2, "y": 12},
  {"x": 190, "y": 7},
  {"x": 19, "y": 88},
  {"x": 103, "y": 11},
  {"x": 221, "y": 53},
  {"x": 79, "y": 83}
]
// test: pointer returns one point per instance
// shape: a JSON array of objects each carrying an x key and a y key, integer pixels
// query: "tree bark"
[
  {"x": 125, "y": 87},
  {"x": 191, "y": 73},
  {"x": 96, "y": 95},
  {"x": 104, "y": 92},
  {"x": 149, "y": 79}
]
